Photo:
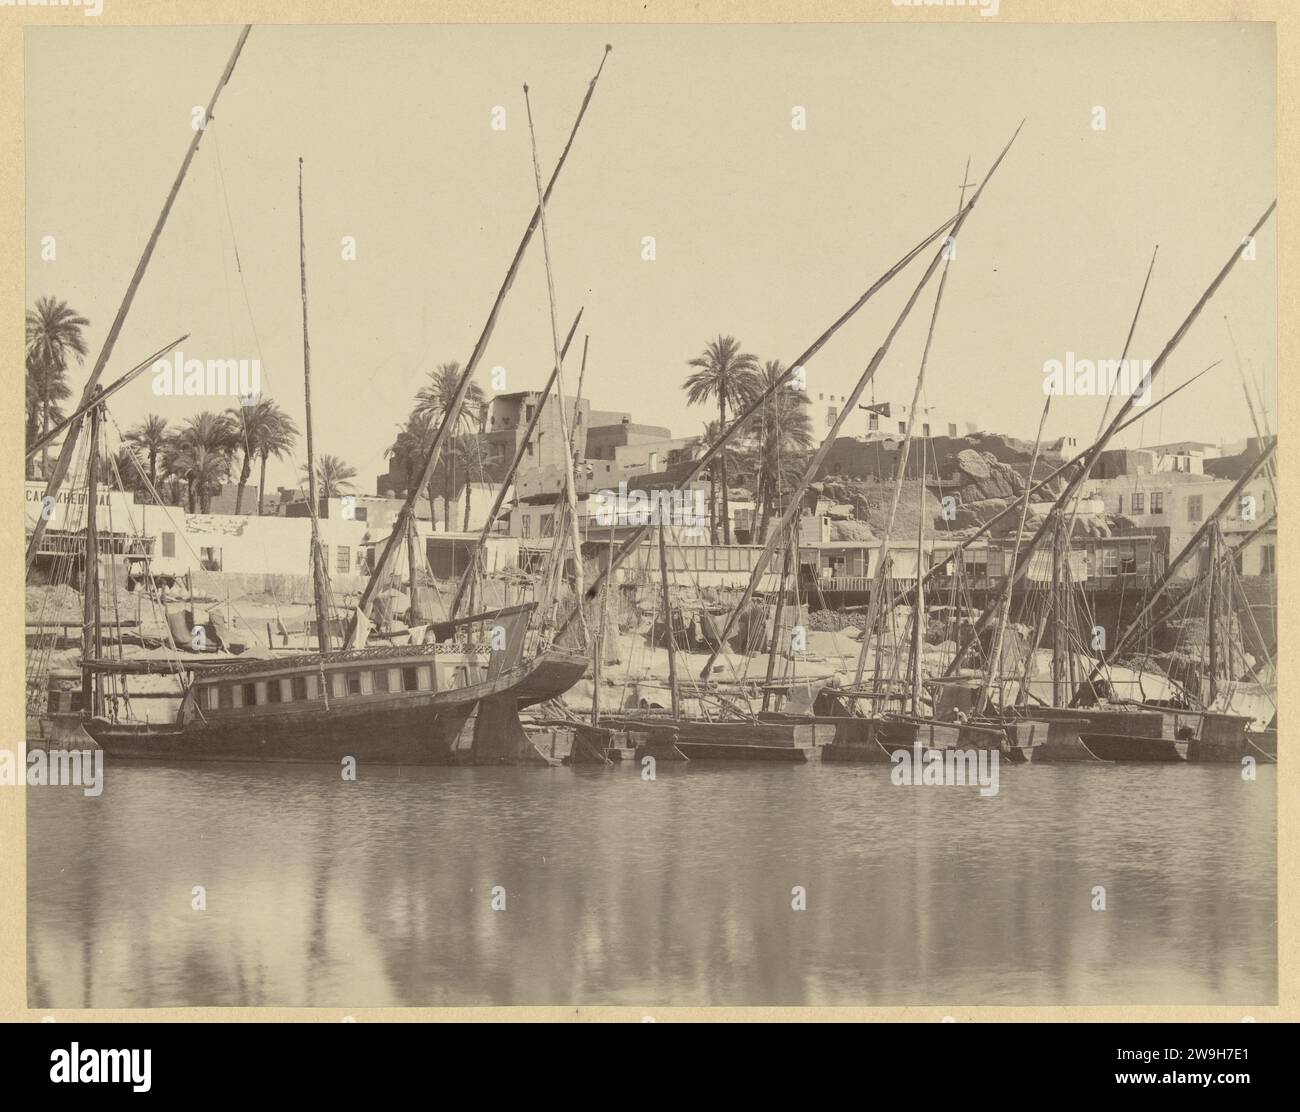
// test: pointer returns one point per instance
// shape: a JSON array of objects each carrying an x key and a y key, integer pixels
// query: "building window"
[
  {"x": 354, "y": 683},
  {"x": 250, "y": 694},
  {"x": 210, "y": 559},
  {"x": 1267, "y": 560},
  {"x": 526, "y": 526},
  {"x": 1194, "y": 510},
  {"x": 925, "y": 428},
  {"x": 547, "y": 525},
  {"x": 902, "y": 426},
  {"x": 345, "y": 560},
  {"x": 1119, "y": 504},
  {"x": 1157, "y": 502},
  {"x": 298, "y": 688},
  {"x": 832, "y": 412},
  {"x": 169, "y": 544},
  {"x": 1139, "y": 503},
  {"x": 1109, "y": 561},
  {"x": 1128, "y": 564},
  {"x": 873, "y": 421},
  {"x": 410, "y": 679},
  {"x": 952, "y": 430}
]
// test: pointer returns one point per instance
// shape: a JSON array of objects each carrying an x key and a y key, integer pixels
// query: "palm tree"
[
  {"x": 202, "y": 469},
  {"x": 149, "y": 438},
  {"x": 332, "y": 476},
  {"x": 200, "y": 454},
  {"x": 434, "y": 401},
  {"x": 468, "y": 454},
  {"x": 276, "y": 436},
  {"x": 408, "y": 451},
  {"x": 33, "y": 424},
  {"x": 263, "y": 425},
  {"x": 785, "y": 438},
  {"x": 124, "y": 471},
  {"x": 728, "y": 374},
  {"x": 53, "y": 334}
]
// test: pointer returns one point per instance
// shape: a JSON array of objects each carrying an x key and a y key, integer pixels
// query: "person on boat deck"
[{"x": 1095, "y": 693}]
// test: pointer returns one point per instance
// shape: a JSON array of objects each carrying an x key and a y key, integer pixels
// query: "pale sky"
[{"x": 762, "y": 231}]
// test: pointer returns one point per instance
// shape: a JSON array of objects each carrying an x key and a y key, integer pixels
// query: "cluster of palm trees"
[
  {"x": 192, "y": 462},
  {"x": 465, "y": 459},
  {"x": 774, "y": 450}
]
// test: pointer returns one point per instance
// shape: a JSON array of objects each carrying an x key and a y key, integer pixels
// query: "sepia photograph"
[{"x": 650, "y": 515}]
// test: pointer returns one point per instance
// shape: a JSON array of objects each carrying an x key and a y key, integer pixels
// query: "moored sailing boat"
[{"x": 454, "y": 697}]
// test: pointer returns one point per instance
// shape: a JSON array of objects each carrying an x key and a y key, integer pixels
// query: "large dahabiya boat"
[{"x": 450, "y": 700}]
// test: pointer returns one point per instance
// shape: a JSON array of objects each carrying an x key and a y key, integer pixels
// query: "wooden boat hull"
[
  {"x": 1262, "y": 742},
  {"x": 860, "y": 740},
  {"x": 703, "y": 740},
  {"x": 1059, "y": 739},
  {"x": 1067, "y": 725},
  {"x": 1213, "y": 737},
  {"x": 475, "y": 725},
  {"x": 1127, "y": 748},
  {"x": 875, "y": 740},
  {"x": 1025, "y": 737}
]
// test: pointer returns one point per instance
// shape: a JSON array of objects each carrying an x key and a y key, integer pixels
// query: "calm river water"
[{"x": 328, "y": 893}]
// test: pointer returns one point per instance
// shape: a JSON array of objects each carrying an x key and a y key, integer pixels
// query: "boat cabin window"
[
  {"x": 381, "y": 680},
  {"x": 225, "y": 697},
  {"x": 410, "y": 678},
  {"x": 338, "y": 684},
  {"x": 274, "y": 692},
  {"x": 299, "y": 687},
  {"x": 250, "y": 694},
  {"x": 354, "y": 683}
]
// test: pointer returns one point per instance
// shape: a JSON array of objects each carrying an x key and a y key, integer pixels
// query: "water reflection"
[{"x": 322, "y": 892}]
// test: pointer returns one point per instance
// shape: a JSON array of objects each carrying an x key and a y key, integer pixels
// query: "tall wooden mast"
[
  {"x": 92, "y": 699},
  {"x": 521, "y": 450},
  {"x": 774, "y": 648},
  {"x": 442, "y": 437},
  {"x": 566, "y": 425},
  {"x": 1212, "y": 545},
  {"x": 1058, "y": 615},
  {"x": 879, "y": 586},
  {"x": 598, "y": 645},
  {"x": 993, "y": 675},
  {"x": 319, "y": 572},
  {"x": 668, "y": 624},
  {"x": 918, "y": 612}
]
